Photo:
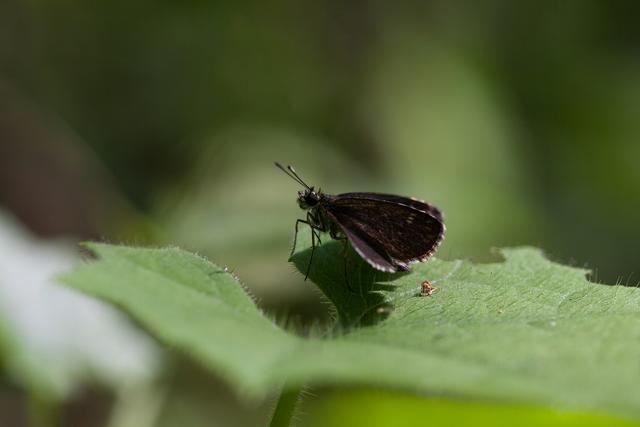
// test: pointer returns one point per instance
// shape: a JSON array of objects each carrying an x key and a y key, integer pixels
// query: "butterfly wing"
[
  {"x": 388, "y": 231},
  {"x": 421, "y": 205},
  {"x": 369, "y": 250}
]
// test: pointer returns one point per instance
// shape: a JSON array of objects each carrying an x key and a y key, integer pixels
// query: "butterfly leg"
[
  {"x": 316, "y": 225},
  {"x": 345, "y": 249},
  {"x": 295, "y": 235},
  {"x": 314, "y": 231},
  {"x": 313, "y": 249},
  {"x": 336, "y": 235}
]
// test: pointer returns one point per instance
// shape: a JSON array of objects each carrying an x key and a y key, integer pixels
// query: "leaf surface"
[{"x": 525, "y": 330}]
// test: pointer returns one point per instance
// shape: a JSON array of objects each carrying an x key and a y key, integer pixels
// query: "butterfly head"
[{"x": 308, "y": 198}]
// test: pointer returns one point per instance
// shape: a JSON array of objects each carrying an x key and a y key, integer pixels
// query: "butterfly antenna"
[{"x": 292, "y": 174}]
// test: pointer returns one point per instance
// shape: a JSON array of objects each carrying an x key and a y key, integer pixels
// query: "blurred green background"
[{"x": 158, "y": 123}]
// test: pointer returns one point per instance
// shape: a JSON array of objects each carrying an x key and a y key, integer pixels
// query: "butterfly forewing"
[
  {"x": 407, "y": 201},
  {"x": 394, "y": 229}
]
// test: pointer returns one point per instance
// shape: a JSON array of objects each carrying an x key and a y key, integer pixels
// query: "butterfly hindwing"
[
  {"x": 396, "y": 229},
  {"x": 369, "y": 251}
]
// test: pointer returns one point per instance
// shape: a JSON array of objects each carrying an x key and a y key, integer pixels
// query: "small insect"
[
  {"x": 389, "y": 232},
  {"x": 427, "y": 289}
]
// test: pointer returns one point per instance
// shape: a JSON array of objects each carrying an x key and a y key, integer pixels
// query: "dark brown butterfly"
[{"x": 389, "y": 232}]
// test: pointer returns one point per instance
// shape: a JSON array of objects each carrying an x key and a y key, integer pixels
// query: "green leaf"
[
  {"x": 525, "y": 330},
  {"x": 378, "y": 408},
  {"x": 191, "y": 305}
]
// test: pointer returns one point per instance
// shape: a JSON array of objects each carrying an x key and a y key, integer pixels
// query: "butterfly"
[{"x": 389, "y": 232}]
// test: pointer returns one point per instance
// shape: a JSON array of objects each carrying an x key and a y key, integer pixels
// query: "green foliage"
[
  {"x": 377, "y": 408},
  {"x": 525, "y": 330}
]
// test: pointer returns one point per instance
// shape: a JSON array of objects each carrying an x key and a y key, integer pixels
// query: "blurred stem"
[
  {"x": 138, "y": 405},
  {"x": 285, "y": 407},
  {"x": 42, "y": 412}
]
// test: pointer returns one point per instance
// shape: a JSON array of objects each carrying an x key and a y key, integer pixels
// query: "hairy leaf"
[{"x": 525, "y": 330}]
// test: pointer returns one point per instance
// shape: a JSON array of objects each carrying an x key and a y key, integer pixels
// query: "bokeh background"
[{"x": 158, "y": 123}]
